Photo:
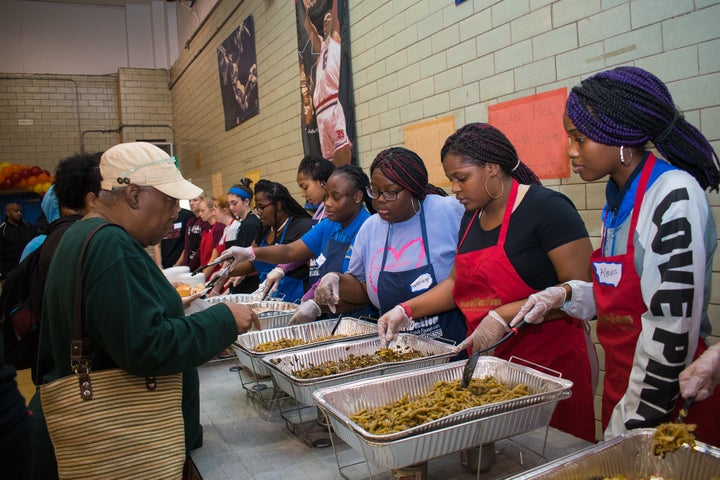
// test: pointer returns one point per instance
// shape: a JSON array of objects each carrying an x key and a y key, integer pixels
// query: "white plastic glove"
[
  {"x": 702, "y": 375},
  {"x": 272, "y": 280},
  {"x": 539, "y": 304},
  {"x": 219, "y": 280},
  {"x": 237, "y": 255},
  {"x": 491, "y": 329},
  {"x": 392, "y": 322},
  {"x": 328, "y": 291},
  {"x": 306, "y": 312}
]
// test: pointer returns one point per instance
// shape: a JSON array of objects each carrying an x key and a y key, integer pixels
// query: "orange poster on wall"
[{"x": 534, "y": 125}]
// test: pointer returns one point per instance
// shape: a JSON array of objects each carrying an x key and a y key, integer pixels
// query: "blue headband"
[{"x": 239, "y": 192}]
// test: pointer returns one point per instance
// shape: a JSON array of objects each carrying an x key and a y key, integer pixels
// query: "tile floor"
[{"x": 251, "y": 439}]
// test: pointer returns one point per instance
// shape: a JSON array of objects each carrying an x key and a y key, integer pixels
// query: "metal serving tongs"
[
  {"x": 682, "y": 414},
  {"x": 203, "y": 267},
  {"x": 211, "y": 283},
  {"x": 469, "y": 369}
]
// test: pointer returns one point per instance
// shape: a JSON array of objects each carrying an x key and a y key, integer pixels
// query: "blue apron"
[
  {"x": 292, "y": 288},
  {"x": 331, "y": 259},
  {"x": 396, "y": 287}
]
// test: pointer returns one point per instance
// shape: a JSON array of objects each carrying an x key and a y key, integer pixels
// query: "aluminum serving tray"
[
  {"x": 631, "y": 455},
  {"x": 352, "y": 328},
  {"x": 467, "y": 429},
  {"x": 273, "y": 314},
  {"x": 283, "y": 364}
]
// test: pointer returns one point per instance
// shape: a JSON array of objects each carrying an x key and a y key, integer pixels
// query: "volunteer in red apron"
[
  {"x": 546, "y": 240},
  {"x": 395, "y": 257},
  {"x": 651, "y": 275}
]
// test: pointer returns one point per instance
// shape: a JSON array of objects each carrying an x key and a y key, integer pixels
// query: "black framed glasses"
[
  {"x": 388, "y": 196},
  {"x": 260, "y": 208}
]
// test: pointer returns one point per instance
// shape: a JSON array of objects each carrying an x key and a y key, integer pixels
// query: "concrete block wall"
[{"x": 47, "y": 118}]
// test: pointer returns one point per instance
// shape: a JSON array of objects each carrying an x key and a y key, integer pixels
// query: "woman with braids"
[
  {"x": 651, "y": 274},
  {"x": 394, "y": 257},
  {"x": 240, "y": 198},
  {"x": 331, "y": 240},
  {"x": 516, "y": 238},
  {"x": 313, "y": 173},
  {"x": 284, "y": 221}
]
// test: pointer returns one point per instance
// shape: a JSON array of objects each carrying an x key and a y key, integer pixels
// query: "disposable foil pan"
[
  {"x": 283, "y": 364},
  {"x": 271, "y": 313},
  {"x": 352, "y": 328},
  {"x": 346, "y": 401},
  {"x": 342, "y": 401},
  {"x": 631, "y": 455}
]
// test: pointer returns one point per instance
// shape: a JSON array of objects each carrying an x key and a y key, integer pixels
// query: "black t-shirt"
[
  {"x": 295, "y": 229},
  {"x": 247, "y": 232},
  {"x": 544, "y": 220},
  {"x": 171, "y": 247}
]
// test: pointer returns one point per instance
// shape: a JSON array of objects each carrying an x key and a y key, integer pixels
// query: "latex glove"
[
  {"x": 491, "y": 329},
  {"x": 702, "y": 375},
  {"x": 219, "y": 281},
  {"x": 392, "y": 322},
  {"x": 306, "y": 312},
  {"x": 328, "y": 291},
  {"x": 272, "y": 281},
  {"x": 237, "y": 255},
  {"x": 539, "y": 304}
]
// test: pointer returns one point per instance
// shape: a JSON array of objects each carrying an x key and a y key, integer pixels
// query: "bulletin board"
[
  {"x": 534, "y": 126},
  {"x": 427, "y": 139},
  {"x": 217, "y": 188}
]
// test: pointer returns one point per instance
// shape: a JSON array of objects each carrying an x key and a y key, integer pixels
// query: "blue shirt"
[{"x": 317, "y": 237}]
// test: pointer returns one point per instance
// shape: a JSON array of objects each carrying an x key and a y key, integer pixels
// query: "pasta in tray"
[
  {"x": 669, "y": 437},
  {"x": 283, "y": 342},
  {"x": 444, "y": 399}
]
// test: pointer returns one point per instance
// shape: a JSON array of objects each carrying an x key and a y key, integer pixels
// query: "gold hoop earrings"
[{"x": 487, "y": 190}]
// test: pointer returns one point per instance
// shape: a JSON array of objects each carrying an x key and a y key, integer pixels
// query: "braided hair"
[
  {"x": 277, "y": 192},
  {"x": 359, "y": 180},
  {"x": 316, "y": 167},
  {"x": 405, "y": 168},
  {"x": 481, "y": 143},
  {"x": 630, "y": 106}
]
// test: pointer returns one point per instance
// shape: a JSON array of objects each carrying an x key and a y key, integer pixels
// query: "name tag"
[
  {"x": 421, "y": 283},
  {"x": 608, "y": 273},
  {"x": 177, "y": 226},
  {"x": 320, "y": 260}
]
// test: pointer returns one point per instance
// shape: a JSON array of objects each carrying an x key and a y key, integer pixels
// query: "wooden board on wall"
[
  {"x": 534, "y": 126},
  {"x": 217, "y": 186},
  {"x": 426, "y": 139},
  {"x": 253, "y": 175}
]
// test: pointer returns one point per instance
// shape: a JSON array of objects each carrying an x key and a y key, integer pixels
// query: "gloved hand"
[
  {"x": 237, "y": 255},
  {"x": 491, "y": 329},
  {"x": 218, "y": 280},
  {"x": 702, "y": 375},
  {"x": 272, "y": 280},
  {"x": 392, "y": 322},
  {"x": 539, "y": 304},
  {"x": 328, "y": 291},
  {"x": 306, "y": 312}
]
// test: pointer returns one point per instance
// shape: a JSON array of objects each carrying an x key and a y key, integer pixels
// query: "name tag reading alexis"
[{"x": 608, "y": 273}]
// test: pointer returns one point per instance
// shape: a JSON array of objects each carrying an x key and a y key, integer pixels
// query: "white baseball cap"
[{"x": 146, "y": 165}]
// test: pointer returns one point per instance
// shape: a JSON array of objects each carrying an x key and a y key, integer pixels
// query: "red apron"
[
  {"x": 619, "y": 311},
  {"x": 485, "y": 279}
]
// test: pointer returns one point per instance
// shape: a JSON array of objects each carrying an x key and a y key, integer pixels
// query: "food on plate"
[
  {"x": 669, "y": 437},
  {"x": 444, "y": 399},
  {"x": 186, "y": 290},
  {"x": 283, "y": 342},
  {"x": 353, "y": 362}
]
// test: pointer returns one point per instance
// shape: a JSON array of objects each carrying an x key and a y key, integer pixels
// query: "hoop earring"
[
  {"x": 622, "y": 157},
  {"x": 487, "y": 190},
  {"x": 412, "y": 204}
]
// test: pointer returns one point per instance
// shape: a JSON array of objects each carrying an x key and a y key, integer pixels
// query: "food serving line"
[{"x": 307, "y": 405}]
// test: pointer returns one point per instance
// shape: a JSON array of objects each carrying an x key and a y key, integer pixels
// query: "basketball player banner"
[
  {"x": 327, "y": 115},
  {"x": 237, "y": 66}
]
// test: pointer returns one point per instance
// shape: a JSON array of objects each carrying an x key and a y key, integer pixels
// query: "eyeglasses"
[
  {"x": 260, "y": 208},
  {"x": 387, "y": 195}
]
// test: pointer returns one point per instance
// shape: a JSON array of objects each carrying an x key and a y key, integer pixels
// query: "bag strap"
[{"x": 80, "y": 356}]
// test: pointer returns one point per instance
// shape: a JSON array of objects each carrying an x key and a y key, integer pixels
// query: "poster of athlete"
[
  {"x": 237, "y": 66},
  {"x": 327, "y": 114}
]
